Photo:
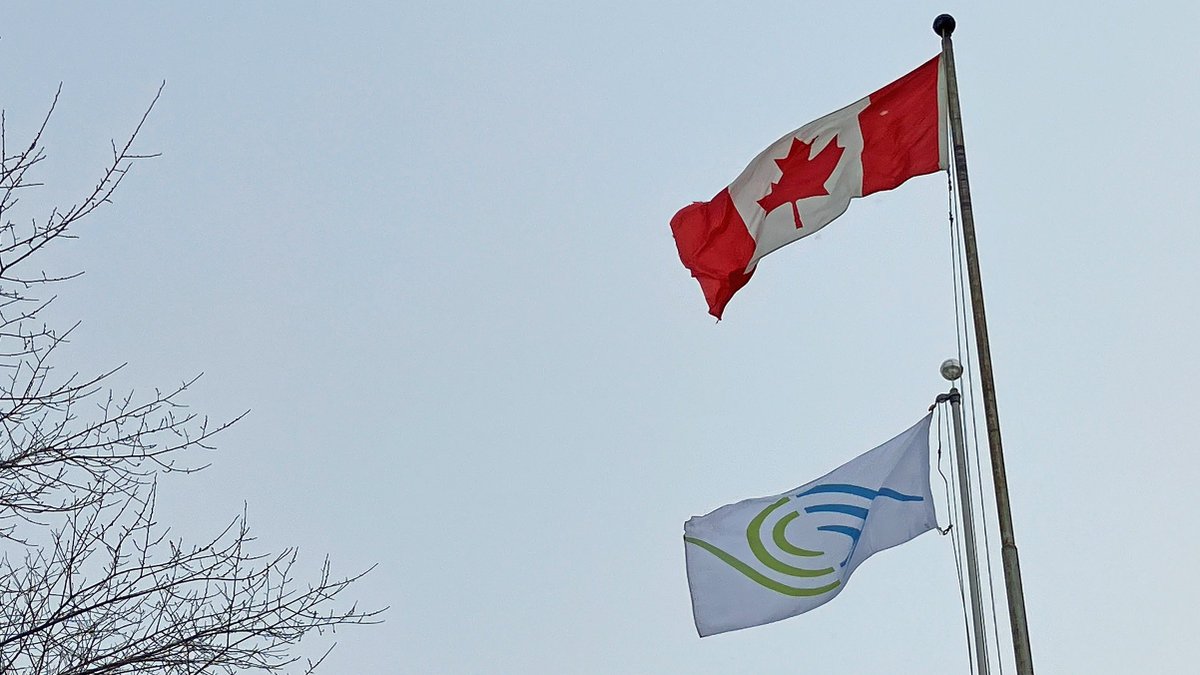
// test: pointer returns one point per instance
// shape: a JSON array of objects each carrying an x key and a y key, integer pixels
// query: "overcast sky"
[{"x": 427, "y": 245}]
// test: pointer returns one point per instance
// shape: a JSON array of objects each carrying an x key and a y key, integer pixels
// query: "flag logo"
[
  {"x": 767, "y": 558},
  {"x": 834, "y": 508}
]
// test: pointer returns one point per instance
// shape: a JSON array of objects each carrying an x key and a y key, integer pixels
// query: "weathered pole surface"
[{"x": 944, "y": 26}]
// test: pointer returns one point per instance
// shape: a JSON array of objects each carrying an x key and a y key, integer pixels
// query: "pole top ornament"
[{"x": 944, "y": 25}]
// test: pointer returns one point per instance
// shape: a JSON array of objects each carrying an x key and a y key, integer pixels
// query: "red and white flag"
[{"x": 807, "y": 178}]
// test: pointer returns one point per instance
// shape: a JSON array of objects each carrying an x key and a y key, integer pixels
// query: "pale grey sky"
[{"x": 427, "y": 244}]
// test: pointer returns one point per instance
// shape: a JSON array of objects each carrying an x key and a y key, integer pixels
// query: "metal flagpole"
[
  {"x": 951, "y": 370},
  {"x": 944, "y": 26}
]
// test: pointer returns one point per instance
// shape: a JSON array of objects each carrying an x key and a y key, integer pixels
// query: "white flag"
[{"x": 766, "y": 559}]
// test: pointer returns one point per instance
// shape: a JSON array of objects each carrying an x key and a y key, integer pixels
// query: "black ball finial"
[{"x": 944, "y": 25}]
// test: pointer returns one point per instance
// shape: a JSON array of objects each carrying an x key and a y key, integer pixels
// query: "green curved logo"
[{"x": 754, "y": 538}]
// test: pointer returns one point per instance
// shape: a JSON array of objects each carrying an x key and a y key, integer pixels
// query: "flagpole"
[
  {"x": 944, "y": 25},
  {"x": 968, "y": 522}
]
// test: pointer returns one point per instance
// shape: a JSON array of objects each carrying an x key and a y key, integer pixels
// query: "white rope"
[
  {"x": 955, "y": 514},
  {"x": 963, "y": 340}
]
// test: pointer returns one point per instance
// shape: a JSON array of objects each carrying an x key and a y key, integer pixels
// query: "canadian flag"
[{"x": 807, "y": 178}]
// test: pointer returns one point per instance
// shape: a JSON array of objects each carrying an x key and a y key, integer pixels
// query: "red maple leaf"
[{"x": 802, "y": 177}]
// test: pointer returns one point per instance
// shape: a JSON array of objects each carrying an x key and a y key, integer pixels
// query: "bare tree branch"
[{"x": 90, "y": 581}]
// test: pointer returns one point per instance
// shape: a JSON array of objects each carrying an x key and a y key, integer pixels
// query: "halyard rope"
[
  {"x": 962, "y": 302},
  {"x": 955, "y": 514}
]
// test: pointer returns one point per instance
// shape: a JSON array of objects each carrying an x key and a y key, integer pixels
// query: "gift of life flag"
[
  {"x": 765, "y": 559},
  {"x": 807, "y": 178}
]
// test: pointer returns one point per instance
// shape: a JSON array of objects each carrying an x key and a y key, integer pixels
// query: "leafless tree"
[{"x": 90, "y": 581}]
